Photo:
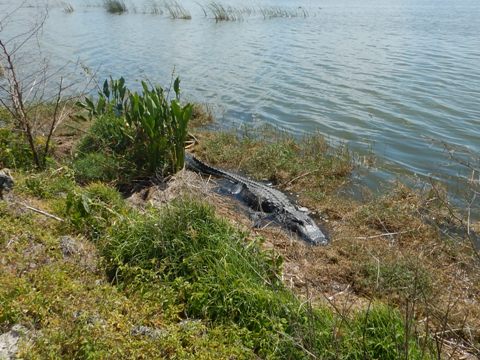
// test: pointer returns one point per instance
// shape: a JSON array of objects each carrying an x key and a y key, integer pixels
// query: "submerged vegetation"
[{"x": 115, "y": 6}]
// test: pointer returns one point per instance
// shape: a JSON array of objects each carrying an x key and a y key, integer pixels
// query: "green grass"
[
  {"x": 227, "y": 280},
  {"x": 293, "y": 164},
  {"x": 14, "y": 150},
  {"x": 210, "y": 290}
]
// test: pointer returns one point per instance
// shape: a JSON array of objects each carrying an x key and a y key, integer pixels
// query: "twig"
[
  {"x": 381, "y": 235},
  {"x": 40, "y": 211},
  {"x": 287, "y": 184}
]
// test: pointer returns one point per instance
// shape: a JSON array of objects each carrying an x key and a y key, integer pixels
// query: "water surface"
[{"x": 383, "y": 76}]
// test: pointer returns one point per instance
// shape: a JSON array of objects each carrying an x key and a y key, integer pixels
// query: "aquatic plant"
[
  {"x": 222, "y": 13},
  {"x": 150, "y": 129},
  {"x": 67, "y": 7},
  {"x": 177, "y": 11},
  {"x": 153, "y": 7},
  {"x": 270, "y": 12},
  {"x": 115, "y": 6}
]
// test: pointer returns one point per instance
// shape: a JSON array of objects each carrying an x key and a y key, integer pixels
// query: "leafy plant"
[
  {"x": 147, "y": 128},
  {"x": 161, "y": 127},
  {"x": 94, "y": 209},
  {"x": 112, "y": 98},
  {"x": 14, "y": 151}
]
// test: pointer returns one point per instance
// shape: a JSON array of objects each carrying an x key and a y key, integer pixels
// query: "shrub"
[
  {"x": 14, "y": 151},
  {"x": 92, "y": 210},
  {"x": 98, "y": 167},
  {"x": 145, "y": 128}
]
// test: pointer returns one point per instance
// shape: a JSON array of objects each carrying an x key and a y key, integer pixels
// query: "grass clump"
[
  {"x": 284, "y": 161},
  {"x": 396, "y": 278},
  {"x": 177, "y": 11},
  {"x": 99, "y": 167},
  {"x": 222, "y": 13},
  {"x": 49, "y": 184},
  {"x": 271, "y": 12},
  {"x": 223, "y": 278},
  {"x": 115, "y": 6},
  {"x": 92, "y": 210},
  {"x": 14, "y": 150},
  {"x": 67, "y": 7}
]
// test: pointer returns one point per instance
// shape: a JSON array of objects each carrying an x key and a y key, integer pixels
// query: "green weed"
[
  {"x": 14, "y": 150},
  {"x": 49, "y": 184},
  {"x": 99, "y": 167},
  {"x": 92, "y": 210}
]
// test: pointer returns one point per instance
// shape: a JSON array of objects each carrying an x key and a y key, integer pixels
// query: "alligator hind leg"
[{"x": 260, "y": 219}]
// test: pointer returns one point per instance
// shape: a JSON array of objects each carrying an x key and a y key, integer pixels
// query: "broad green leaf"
[{"x": 106, "y": 90}]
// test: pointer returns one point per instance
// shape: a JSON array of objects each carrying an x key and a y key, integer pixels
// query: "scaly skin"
[{"x": 266, "y": 199}]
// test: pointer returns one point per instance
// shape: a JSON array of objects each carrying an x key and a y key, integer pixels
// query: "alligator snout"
[{"x": 312, "y": 234}]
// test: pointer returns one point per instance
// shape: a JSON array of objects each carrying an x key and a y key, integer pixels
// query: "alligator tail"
[{"x": 192, "y": 163}]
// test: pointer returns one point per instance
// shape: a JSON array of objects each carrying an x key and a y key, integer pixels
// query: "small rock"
[
  {"x": 6, "y": 181},
  {"x": 193, "y": 326},
  {"x": 147, "y": 331},
  {"x": 9, "y": 342},
  {"x": 69, "y": 246}
]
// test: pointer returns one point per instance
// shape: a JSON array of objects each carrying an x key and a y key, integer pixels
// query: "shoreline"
[{"x": 383, "y": 252}]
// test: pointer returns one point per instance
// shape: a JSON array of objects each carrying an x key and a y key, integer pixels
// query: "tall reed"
[
  {"x": 222, "y": 13},
  {"x": 177, "y": 11},
  {"x": 67, "y": 7},
  {"x": 270, "y": 12}
]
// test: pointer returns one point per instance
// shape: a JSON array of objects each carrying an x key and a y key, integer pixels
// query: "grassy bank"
[
  {"x": 116, "y": 282},
  {"x": 181, "y": 273}
]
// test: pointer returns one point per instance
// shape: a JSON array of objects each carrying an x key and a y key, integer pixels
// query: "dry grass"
[{"x": 400, "y": 248}]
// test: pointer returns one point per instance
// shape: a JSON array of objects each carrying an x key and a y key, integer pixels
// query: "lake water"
[{"x": 384, "y": 76}]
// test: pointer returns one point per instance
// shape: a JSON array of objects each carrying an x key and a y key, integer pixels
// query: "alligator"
[{"x": 263, "y": 198}]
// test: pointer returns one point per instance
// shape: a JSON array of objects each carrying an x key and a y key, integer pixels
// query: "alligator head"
[{"x": 309, "y": 231}]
